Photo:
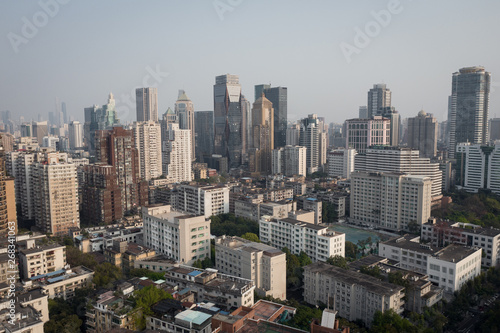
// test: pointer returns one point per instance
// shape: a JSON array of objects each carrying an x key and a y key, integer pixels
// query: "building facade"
[
  {"x": 202, "y": 200},
  {"x": 184, "y": 110},
  {"x": 341, "y": 163},
  {"x": 177, "y": 156},
  {"x": 147, "y": 139},
  {"x": 423, "y": 134},
  {"x": 146, "y": 100},
  {"x": 363, "y": 133}
]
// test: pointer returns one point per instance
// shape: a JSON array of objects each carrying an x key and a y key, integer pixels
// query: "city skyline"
[{"x": 338, "y": 91}]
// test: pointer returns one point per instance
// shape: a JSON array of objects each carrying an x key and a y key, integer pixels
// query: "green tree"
[
  {"x": 148, "y": 296},
  {"x": 391, "y": 322},
  {"x": 251, "y": 237},
  {"x": 350, "y": 250},
  {"x": 141, "y": 272},
  {"x": 338, "y": 261},
  {"x": 105, "y": 274}
]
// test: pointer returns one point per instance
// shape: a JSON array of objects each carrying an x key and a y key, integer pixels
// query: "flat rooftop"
[
  {"x": 406, "y": 243},
  {"x": 351, "y": 277},
  {"x": 455, "y": 253}
]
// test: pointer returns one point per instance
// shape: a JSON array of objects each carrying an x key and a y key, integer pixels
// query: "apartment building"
[
  {"x": 42, "y": 260},
  {"x": 289, "y": 161},
  {"x": 225, "y": 291},
  {"x": 316, "y": 241},
  {"x": 110, "y": 312},
  {"x": 341, "y": 163},
  {"x": 449, "y": 267},
  {"x": 202, "y": 200},
  {"x": 444, "y": 232},
  {"x": 390, "y": 200},
  {"x": 55, "y": 193},
  {"x": 354, "y": 295},
  {"x": 254, "y": 210},
  {"x": 147, "y": 139},
  {"x": 188, "y": 320},
  {"x": 63, "y": 283},
  {"x": 177, "y": 156},
  {"x": 185, "y": 238},
  {"x": 261, "y": 263}
]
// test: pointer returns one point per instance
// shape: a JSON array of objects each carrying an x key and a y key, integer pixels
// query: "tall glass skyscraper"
[
  {"x": 204, "y": 134},
  {"x": 279, "y": 97},
  {"x": 468, "y": 109},
  {"x": 379, "y": 97},
  {"x": 229, "y": 121}
]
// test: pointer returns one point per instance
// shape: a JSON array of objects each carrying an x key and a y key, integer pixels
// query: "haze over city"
[{"x": 87, "y": 49}]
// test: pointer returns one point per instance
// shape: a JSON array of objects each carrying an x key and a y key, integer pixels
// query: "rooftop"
[
  {"x": 351, "y": 277},
  {"x": 455, "y": 253},
  {"x": 194, "y": 317},
  {"x": 406, "y": 242}
]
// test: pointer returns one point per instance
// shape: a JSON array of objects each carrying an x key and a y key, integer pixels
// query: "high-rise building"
[
  {"x": 494, "y": 129},
  {"x": 147, "y": 139},
  {"x": 177, "y": 154},
  {"x": 263, "y": 136},
  {"x": 390, "y": 113},
  {"x": 8, "y": 215},
  {"x": 293, "y": 135},
  {"x": 259, "y": 89},
  {"x": 313, "y": 137},
  {"x": 26, "y": 130},
  {"x": 422, "y": 134},
  {"x": 169, "y": 117},
  {"x": 55, "y": 193},
  {"x": 40, "y": 130},
  {"x": 184, "y": 238},
  {"x": 363, "y": 112},
  {"x": 184, "y": 110},
  {"x": 64, "y": 112},
  {"x": 392, "y": 201},
  {"x": 229, "y": 125},
  {"x": 478, "y": 167},
  {"x": 246, "y": 111},
  {"x": 116, "y": 147},
  {"x": 146, "y": 100},
  {"x": 341, "y": 163},
  {"x": 99, "y": 118},
  {"x": 279, "y": 98},
  {"x": 202, "y": 200},
  {"x": 290, "y": 161},
  {"x": 204, "y": 134},
  {"x": 256, "y": 262},
  {"x": 468, "y": 109},
  {"x": 102, "y": 199},
  {"x": 75, "y": 130},
  {"x": 398, "y": 159},
  {"x": 363, "y": 133},
  {"x": 379, "y": 97}
]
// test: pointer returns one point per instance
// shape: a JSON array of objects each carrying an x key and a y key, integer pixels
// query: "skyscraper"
[
  {"x": 75, "y": 130},
  {"x": 99, "y": 118},
  {"x": 177, "y": 154},
  {"x": 494, "y": 129},
  {"x": 147, "y": 138},
  {"x": 184, "y": 110},
  {"x": 146, "y": 100},
  {"x": 468, "y": 109},
  {"x": 204, "y": 134},
  {"x": 64, "y": 113},
  {"x": 310, "y": 137},
  {"x": 422, "y": 134},
  {"x": 279, "y": 97},
  {"x": 229, "y": 125},
  {"x": 259, "y": 89},
  {"x": 263, "y": 136},
  {"x": 378, "y": 97},
  {"x": 363, "y": 133},
  {"x": 390, "y": 113}
]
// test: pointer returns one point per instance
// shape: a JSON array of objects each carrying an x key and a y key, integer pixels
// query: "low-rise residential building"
[
  {"x": 157, "y": 264},
  {"x": 444, "y": 232},
  {"x": 318, "y": 242},
  {"x": 254, "y": 210},
  {"x": 124, "y": 255},
  {"x": 62, "y": 283},
  {"x": 225, "y": 291},
  {"x": 110, "y": 312},
  {"x": 42, "y": 260},
  {"x": 184, "y": 238},
  {"x": 449, "y": 267},
  {"x": 100, "y": 239},
  {"x": 186, "y": 321},
  {"x": 261, "y": 263},
  {"x": 356, "y": 296}
]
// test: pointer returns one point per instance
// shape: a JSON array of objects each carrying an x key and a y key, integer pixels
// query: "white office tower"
[
  {"x": 177, "y": 154},
  {"x": 405, "y": 160},
  {"x": 184, "y": 109},
  {"x": 478, "y": 167},
  {"x": 341, "y": 163},
  {"x": 390, "y": 200},
  {"x": 55, "y": 193},
  {"x": 147, "y": 139},
  {"x": 75, "y": 129},
  {"x": 289, "y": 161}
]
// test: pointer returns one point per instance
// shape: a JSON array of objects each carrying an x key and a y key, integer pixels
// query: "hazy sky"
[{"x": 85, "y": 49}]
